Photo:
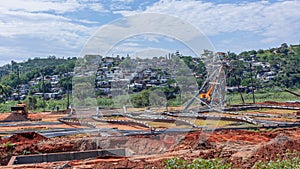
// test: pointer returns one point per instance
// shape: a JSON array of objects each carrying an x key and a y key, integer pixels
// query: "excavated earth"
[
  {"x": 241, "y": 148},
  {"x": 291, "y": 104}
]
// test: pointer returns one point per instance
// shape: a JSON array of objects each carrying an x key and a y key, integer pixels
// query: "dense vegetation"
[
  {"x": 283, "y": 61},
  {"x": 290, "y": 160},
  {"x": 16, "y": 74},
  {"x": 177, "y": 163},
  {"x": 21, "y": 73}
]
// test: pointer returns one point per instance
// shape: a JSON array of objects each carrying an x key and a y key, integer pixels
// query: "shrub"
[
  {"x": 175, "y": 163},
  {"x": 8, "y": 144},
  {"x": 290, "y": 161}
]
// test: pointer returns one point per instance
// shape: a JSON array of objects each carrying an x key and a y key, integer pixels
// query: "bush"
[
  {"x": 140, "y": 99},
  {"x": 175, "y": 163},
  {"x": 32, "y": 101},
  {"x": 105, "y": 102},
  {"x": 5, "y": 107},
  {"x": 290, "y": 161}
]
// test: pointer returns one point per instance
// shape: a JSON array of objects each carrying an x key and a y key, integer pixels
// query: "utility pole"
[
  {"x": 252, "y": 86},
  {"x": 18, "y": 86},
  {"x": 43, "y": 86},
  {"x": 239, "y": 89},
  {"x": 237, "y": 82},
  {"x": 67, "y": 83},
  {"x": 68, "y": 95}
]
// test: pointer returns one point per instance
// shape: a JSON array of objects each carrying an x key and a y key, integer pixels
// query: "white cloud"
[
  {"x": 43, "y": 26},
  {"x": 40, "y": 27},
  {"x": 147, "y": 24},
  {"x": 40, "y": 6},
  {"x": 96, "y": 7},
  {"x": 151, "y": 52},
  {"x": 8, "y": 54},
  {"x": 130, "y": 44},
  {"x": 124, "y": 1},
  {"x": 277, "y": 21},
  {"x": 34, "y": 20},
  {"x": 48, "y": 25},
  {"x": 143, "y": 46},
  {"x": 117, "y": 5},
  {"x": 59, "y": 6}
]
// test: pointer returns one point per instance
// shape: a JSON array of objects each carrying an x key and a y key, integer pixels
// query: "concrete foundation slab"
[{"x": 67, "y": 156}]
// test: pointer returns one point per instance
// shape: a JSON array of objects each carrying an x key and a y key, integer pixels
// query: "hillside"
[
  {"x": 33, "y": 68},
  {"x": 261, "y": 69}
]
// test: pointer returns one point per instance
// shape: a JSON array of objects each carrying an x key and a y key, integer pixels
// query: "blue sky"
[{"x": 39, "y": 28}]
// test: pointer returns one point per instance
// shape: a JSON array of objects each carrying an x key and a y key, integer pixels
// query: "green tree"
[
  {"x": 140, "y": 99},
  {"x": 32, "y": 102},
  {"x": 47, "y": 87},
  {"x": 66, "y": 82},
  {"x": 231, "y": 55},
  {"x": 5, "y": 91},
  {"x": 10, "y": 80}
]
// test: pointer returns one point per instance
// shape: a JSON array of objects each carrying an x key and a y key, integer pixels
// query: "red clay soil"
[
  {"x": 18, "y": 144},
  {"x": 34, "y": 143},
  {"x": 280, "y": 104},
  {"x": 241, "y": 148},
  {"x": 12, "y": 117},
  {"x": 244, "y": 136},
  {"x": 277, "y": 148},
  {"x": 25, "y": 137}
]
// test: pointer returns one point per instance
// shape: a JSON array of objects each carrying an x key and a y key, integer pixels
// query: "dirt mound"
[
  {"x": 14, "y": 116},
  {"x": 280, "y": 104},
  {"x": 276, "y": 148},
  {"x": 279, "y": 145},
  {"x": 241, "y": 148},
  {"x": 240, "y": 136},
  {"x": 25, "y": 137},
  {"x": 194, "y": 140},
  {"x": 67, "y": 111},
  {"x": 18, "y": 144},
  {"x": 146, "y": 144}
]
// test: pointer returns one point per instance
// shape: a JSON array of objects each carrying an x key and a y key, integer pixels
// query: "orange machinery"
[{"x": 206, "y": 96}]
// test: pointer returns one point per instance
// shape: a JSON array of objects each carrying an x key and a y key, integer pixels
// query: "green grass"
[
  {"x": 8, "y": 144},
  {"x": 62, "y": 104},
  {"x": 278, "y": 96},
  {"x": 5, "y": 107}
]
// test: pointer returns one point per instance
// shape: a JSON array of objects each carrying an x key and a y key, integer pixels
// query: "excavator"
[
  {"x": 204, "y": 96},
  {"x": 213, "y": 83}
]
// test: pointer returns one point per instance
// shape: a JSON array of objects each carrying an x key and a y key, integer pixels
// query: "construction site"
[
  {"x": 128, "y": 137},
  {"x": 135, "y": 140}
]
